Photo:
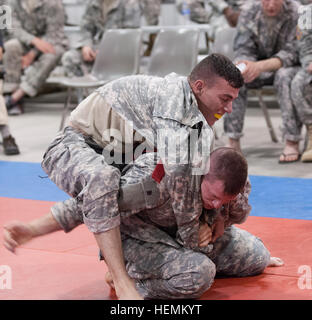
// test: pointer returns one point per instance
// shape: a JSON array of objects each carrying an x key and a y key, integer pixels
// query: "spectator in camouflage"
[
  {"x": 301, "y": 87},
  {"x": 36, "y": 45},
  {"x": 102, "y": 15},
  {"x": 265, "y": 42}
]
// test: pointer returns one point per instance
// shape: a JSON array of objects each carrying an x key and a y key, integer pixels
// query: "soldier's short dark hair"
[
  {"x": 229, "y": 166},
  {"x": 217, "y": 65}
]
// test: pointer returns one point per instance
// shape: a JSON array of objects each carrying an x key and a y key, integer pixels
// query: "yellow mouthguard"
[{"x": 217, "y": 115}]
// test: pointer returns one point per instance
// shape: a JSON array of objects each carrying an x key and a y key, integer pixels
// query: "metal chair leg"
[
  {"x": 79, "y": 94},
  {"x": 267, "y": 116}
]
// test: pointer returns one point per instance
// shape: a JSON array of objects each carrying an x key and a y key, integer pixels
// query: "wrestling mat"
[{"x": 66, "y": 267}]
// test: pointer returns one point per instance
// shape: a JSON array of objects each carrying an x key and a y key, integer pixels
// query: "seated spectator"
[
  {"x": 301, "y": 86},
  {"x": 36, "y": 45},
  {"x": 216, "y": 13},
  {"x": 265, "y": 43},
  {"x": 99, "y": 16},
  {"x": 8, "y": 142}
]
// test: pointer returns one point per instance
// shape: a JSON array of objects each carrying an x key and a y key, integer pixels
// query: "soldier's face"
[
  {"x": 216, "y": 100},
  {"x": 213, "y": 195},
  {"x": 272, "y": 8}
]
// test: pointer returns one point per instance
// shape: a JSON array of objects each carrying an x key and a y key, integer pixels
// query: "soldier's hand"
[
  {"x": 28, "y": 59},
  {"x": 205, "y": 234},
  {"x": 217, "y": 229},
  {"x": 88, "y": 54},
  {"x": 43, "y": 45},
  {"x": 16, "y": 233},
  {"x": 309, "y": 68},
  {"x": 252, "y": 70}
]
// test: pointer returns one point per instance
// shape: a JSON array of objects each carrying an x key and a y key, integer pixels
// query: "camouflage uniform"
[
  {"x": 210, "y": 12},
  {"x": 100, "y": 16},
  {"x": 46, "y": 21},
  {"x": 3, "y": 110},
  {"x": 259, "y": 39},
  {"x": 157, "y": 107},
  {"x": 155, "y": 256},
  {"x": 301, "y": 88}
]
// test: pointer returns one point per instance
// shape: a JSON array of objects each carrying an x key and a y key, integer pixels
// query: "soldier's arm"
[
  {"x": 237, "y": 211},
  {"x": 305, "y": 46},
  {"x": 88, "y": 25},
  {"x": 173, "y": 151},
  {"x": 253, "y": 69},
  {"x": 17, "y": 30},
  {"x": 17, "y": 233},
  {"x": 178, "y": 153},
  {"x": 244, "y": 45},
  {"x": 55, "y": 24},
  {"x": 304, "y": 37},
  {"x": 288, "y": 53}
]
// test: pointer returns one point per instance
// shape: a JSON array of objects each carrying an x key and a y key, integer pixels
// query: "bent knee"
[
  {"x": 257, "y": 262},
  {"x": 283, "y": 76},
  {"x": 13, "y": 45},
  {"x": 70, "y": 57},
  {"x": 195, "y": 281}
]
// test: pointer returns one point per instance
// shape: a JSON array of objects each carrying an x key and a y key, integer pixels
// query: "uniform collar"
[{"x": 192, "y": 115}]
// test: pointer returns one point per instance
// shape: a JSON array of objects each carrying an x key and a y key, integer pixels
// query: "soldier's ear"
[{"x": 198, "y": 87}]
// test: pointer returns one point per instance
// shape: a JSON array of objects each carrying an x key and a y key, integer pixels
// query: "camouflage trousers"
[
  {"x": 281, "y": 79},
  {"x": 166, "y": 271},
  {"x": 78, "y": 170},
  {"x": 3, "y": 113},
  {"x": 36, "y": 74},
  {"x": 74, "y": 65},
  {"x": 301, "y": 94},
  {"x": 3, "y": 109}
]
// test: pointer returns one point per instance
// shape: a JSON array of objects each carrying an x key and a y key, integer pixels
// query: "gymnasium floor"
[{"x": 65, "y": 266}]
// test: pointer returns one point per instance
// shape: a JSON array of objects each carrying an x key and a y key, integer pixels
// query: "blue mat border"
[{"x": 276, "y": 197}]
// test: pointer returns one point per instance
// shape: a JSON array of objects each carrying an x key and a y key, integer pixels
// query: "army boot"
[{"x": 307, "y": 155}]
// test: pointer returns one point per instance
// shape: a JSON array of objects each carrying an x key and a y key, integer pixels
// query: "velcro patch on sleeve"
[{"x": 159, "y": 172}]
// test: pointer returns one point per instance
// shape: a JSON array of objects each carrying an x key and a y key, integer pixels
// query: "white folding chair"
[
  {"x": 175, "y": 50},
  {"x": 118, "y": 56}
]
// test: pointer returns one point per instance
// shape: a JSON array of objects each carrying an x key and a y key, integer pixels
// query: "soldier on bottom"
[{"x": 155, "y": 257}]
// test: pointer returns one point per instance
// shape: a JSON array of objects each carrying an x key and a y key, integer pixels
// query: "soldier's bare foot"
[
  {"x": 290, "y": 152},
  {"x": 16, "y": 233},
  {"x": 109, "y": 280},
  {"x": 276, "y": 262},
  {"x": 126, "y": 290}
]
